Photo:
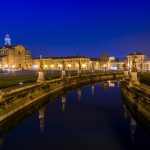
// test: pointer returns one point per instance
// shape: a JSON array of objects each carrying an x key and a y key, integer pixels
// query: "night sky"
[{"x": 83, "y": 27}]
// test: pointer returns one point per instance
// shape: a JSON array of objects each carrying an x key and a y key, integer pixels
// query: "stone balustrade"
[
  {"x": 16, "y": 98},
  {"x": 138, "y": 96}
]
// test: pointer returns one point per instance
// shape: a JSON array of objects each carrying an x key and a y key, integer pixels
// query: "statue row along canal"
[{"x": 90, "y": 117}]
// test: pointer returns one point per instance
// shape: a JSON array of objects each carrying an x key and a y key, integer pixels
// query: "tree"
[{"x": 103, "y": 59}]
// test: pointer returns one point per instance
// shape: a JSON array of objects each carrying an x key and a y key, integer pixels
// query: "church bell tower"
[{"x": 7, "y": 40}]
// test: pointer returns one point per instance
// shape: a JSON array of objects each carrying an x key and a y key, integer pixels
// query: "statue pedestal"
[
  {"x": 92, "y": 71},
  {"x": 126, "y": 75},
  {"x": 79, "y": 72},
  {"x": 41, "y": 77},
  {"x": 134, "y": 79},
  {"x": 63, "y": 73}
]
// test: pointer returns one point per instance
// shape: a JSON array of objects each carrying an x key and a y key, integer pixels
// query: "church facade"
[{"x": 14, "y": 56}]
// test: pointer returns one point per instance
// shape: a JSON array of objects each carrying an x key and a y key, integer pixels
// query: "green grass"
[
  {"x": 15, "y": 80},
  {"x": 145, "y": 78},
  {"x": 8, "y": 81}
]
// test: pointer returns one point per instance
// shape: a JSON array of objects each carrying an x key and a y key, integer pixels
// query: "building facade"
[
  {"x": 18, "y": 57},
  {"x": 142, "y": 62},
  {"x": 15, "y": 57},
  {"x": 69, "y": 62},
  {"x": 72, "y": 62}
]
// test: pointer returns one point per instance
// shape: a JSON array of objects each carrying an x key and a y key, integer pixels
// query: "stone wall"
[
  {"x": 12, "y": 101},
  {"x": 138, "y": 99}
]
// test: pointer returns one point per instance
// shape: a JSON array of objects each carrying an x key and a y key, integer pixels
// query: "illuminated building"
[
  {"x": 14, "y": 56},
  {"x": 7, "y": 40},
  {"x": 18, "y": 57},
  {"x": 71, "y": 62},
  {"x": 142, "y": 63}
]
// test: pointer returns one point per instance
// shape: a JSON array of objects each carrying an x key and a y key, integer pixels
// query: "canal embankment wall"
[
  {"x": 138, "y": 98},
  {"x": 13, "y": 100}
]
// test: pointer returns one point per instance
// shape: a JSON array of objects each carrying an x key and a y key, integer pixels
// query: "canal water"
[{"x": 92, "y": 117}]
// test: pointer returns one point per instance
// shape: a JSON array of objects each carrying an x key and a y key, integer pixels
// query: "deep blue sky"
[{"x": 61, "y": 27}]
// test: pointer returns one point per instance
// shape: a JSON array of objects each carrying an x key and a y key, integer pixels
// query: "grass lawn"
[
  {"x": 15, "y": 80},
  {"x": 145, "y": 78},
  {"x": 8, "y": 81}
]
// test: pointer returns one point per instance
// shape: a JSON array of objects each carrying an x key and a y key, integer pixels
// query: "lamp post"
[{"x": 41, "y": 72}]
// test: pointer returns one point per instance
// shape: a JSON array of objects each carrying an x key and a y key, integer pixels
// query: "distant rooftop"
[
  {"x": 94, "y": 59},
  {"x": 10, "y": 46},
  {"x": 65, "y": 57},
  {"x": 135, "y": 53}
]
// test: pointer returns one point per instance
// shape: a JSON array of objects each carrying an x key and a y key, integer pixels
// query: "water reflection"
[
  {"x": 133, "y": 123},
  {"x": 41, "y": 118},
  {"x": 136, "y": 116},
  {"x": 64, "y": 100},
  {"x": 1, "y": 142},
  {"x": 79, "y": 94},
  {"x": 88, "y": 124},
  {"x": 93, "y": 87},
  {"x": 125, "y": 111},
  {"x": 133, "y": 129},
  {"x": 111, "y": 84},
  {"x": 105, "y": 85}
]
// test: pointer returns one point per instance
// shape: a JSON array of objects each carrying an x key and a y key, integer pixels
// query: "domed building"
[{"x": 14, "y": 56}]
